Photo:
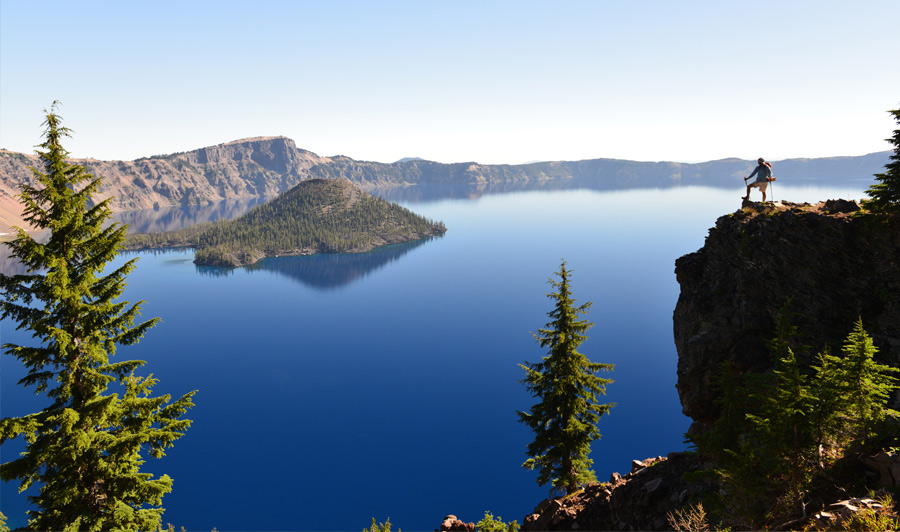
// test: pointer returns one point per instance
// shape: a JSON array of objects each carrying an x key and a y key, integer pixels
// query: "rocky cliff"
[
  {"x": 266, "y": 166},
  {"x": 830, "y": 268}
]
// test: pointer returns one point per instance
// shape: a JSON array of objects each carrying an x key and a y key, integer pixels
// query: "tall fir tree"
[
  {"x": 84, "y": 450},
  {"x": 566, "y": 383},
  {"x": 885, "y": 195}
]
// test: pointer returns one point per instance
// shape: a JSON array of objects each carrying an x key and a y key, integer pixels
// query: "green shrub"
[
  {"x": 495, "y": 524},
  {"x": 383, "y": 527}
]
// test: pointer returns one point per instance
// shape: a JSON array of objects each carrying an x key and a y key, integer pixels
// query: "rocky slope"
[
  {"x": 266, "y": 166},
  {"x": 262, "y": 166},
  {"x": 638, "y": 500}
]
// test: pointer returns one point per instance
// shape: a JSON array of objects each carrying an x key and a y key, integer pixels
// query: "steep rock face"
[
  {"x": 263, "y": 166},
  {"x": 831, "y": 267}
]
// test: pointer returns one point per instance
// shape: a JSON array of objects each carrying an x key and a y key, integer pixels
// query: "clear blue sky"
[{"x": 451, "y": 81}]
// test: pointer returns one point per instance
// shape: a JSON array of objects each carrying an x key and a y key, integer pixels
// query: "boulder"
[
  {"x": 887, "y": 465},
  {"x": 452, "y": 524}
]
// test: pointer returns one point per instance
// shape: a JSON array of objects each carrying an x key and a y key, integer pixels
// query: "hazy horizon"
[{"x": 498, "y": 82}]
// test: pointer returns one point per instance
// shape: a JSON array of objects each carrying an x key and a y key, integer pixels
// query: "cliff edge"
[
  {"x": 833, "y": 268},
  {"x": 831, "y": 265}
]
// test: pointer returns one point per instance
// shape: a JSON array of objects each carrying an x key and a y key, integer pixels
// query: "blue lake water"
[{"x": 337, "y": 388}]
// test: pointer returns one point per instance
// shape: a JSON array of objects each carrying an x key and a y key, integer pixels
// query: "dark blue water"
[{"x": 337, "y": 388}]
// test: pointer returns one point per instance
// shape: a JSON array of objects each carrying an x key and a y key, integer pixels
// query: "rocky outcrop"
[
  {"x": 639, "y": 500},
  {"x": 829, "y": 266},
  {"x": 453, "y": 524}
]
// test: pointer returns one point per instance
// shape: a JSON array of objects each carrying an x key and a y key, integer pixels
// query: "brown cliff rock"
[
  {"x": 452, "y": 524},
  {"x": 638, "y": 500}
]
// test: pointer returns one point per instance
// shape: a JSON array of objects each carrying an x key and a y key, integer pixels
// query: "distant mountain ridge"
[{"x": 267, "y": 166}]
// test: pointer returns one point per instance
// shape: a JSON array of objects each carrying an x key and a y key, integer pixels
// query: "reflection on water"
[
  {"x": 443, "y": 191},
  {"x": 325, "y": 271},
  {"x": 153, "y": 221},
  {"x": 437, "y": 192},
  {"x": 172, "y": 218},
  {"x": 10, "y": 265}
]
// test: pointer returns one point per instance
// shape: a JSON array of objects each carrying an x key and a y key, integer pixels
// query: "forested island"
[{"x": 316, "y": 216}]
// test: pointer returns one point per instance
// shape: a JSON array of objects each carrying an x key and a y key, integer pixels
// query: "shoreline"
[{"x": 258, "y": 255}]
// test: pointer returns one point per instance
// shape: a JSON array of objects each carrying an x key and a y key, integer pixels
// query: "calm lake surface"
[{"x": 337, "y": 388}]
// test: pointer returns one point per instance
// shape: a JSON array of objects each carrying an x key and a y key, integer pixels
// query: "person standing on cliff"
[{"x": 763, "y": 173}]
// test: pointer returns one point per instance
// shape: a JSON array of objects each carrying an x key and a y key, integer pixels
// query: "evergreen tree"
[
  {"x": 83, "y": 450},
  {"x": 861, "y": 386},
  {"x": 784, "y": 426},
  {"x": 567, "y": 385},
  {"x": 885, "y": 195},
  {"x": 829, "y": 424}
]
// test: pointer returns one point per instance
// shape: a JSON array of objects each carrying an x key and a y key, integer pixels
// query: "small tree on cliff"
[
  {"x": 566, "y": 383},
  {"x": 83, "y": 450},
  {"x": 782, "y": 440},
  {"x": 861, "y": 385},
  {"x": 885, "y": 195}
]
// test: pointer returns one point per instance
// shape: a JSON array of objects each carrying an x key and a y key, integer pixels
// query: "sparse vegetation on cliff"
[
  {"x": 784, "y": 435},
  {"x": 491, "y": 523}
]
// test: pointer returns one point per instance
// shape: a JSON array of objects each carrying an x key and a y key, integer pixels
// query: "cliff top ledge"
[{"x": 834, "y": 207}]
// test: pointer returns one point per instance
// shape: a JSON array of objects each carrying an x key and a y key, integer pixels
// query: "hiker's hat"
[{"x": 760, "y": 160}]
